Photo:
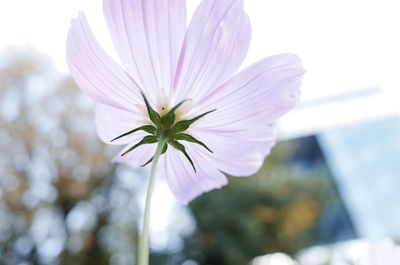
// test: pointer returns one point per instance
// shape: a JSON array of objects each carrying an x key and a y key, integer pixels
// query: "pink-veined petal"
[
  {"x": 255, "y": 97},
  {"x": 237, "y": 132},
  {"x": 184, "y": 183},
  {"x": 112, "y": 122},
  {"x": 95, "y": 72},
  {"x": 237, "y": 152},
  {"x": 148, "y": 36},
  {"x": 215, "y": 45}
]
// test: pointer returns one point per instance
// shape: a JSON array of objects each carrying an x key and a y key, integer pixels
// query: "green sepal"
[
  {"x": 189, "y": 138},
  {"x": 151, "y": 159},
  {"x": 147, "y": 128},
  {"x": 168, "y": 119},
  {"x": 165, "y": 149},
  {"x": 181, "y": 126},
  {"x": 153, "y": 115},
  {"x": 181, "y": 148},
  {"x": 148, "y": 161},
  {"x": 146, "y": 140}
]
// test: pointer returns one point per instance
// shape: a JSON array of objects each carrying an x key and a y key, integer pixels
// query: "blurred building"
[
  {"x": 359, "y": 135},
  {"x": 365, "y": 162}
]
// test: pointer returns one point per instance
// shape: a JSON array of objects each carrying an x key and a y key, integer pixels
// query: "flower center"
[{"x": 168, "y": 128}]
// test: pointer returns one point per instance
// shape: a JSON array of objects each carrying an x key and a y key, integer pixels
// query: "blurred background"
[{"x": 327, "y": 195}]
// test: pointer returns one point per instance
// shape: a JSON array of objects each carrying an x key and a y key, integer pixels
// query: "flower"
[{"x": 173, "y": 74}]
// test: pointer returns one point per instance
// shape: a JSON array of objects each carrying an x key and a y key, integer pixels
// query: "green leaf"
[
  {"x": 168, "y": 119},
  {"x": 189, "y": 138},
  {"x": 147, "y": 128},
  {"x": 181, "y": 148},
  {"x": 153, "y": 115},
  {"x": 146, "y": 140},
  {"x": 151, "y": 159},
  {"x": 181, "y": 126}
]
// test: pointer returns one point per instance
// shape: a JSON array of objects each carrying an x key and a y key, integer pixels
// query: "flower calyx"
[{"x": 168, "y": 129}]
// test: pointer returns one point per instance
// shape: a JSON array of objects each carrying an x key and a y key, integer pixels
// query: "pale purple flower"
[{"x": 169, "y": 62}]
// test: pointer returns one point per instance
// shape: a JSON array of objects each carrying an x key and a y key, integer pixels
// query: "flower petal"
[
  {"x": 256, "y": 96},
  {"x": 112, "y": 122},
  {"x": 95, "y": 72},
  {"x": 183, "y": 181},
  {"x": 148, "y": 36},
  {"x": 216, "y": 43},
  {"x": 237, "y": 132},
  {"x": 237, "y": 152}
]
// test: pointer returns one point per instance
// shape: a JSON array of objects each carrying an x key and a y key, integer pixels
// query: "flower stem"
[{"x": 143, "y": 255}]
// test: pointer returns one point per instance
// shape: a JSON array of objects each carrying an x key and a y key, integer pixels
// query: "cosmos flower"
[{"x": 182, "y": 83}]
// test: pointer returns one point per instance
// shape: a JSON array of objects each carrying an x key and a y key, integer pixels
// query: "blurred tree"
[{"x": 62, "y": 201}]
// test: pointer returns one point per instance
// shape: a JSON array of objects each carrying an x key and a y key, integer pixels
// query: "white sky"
[{"x": 346, "y": 45}]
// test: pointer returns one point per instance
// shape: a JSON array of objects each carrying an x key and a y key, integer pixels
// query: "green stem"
[{"x": 143, "y": 255}]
